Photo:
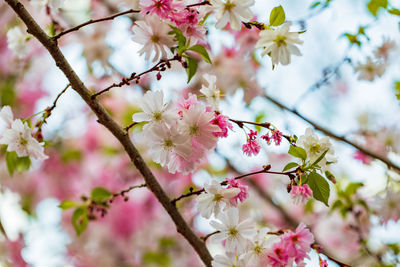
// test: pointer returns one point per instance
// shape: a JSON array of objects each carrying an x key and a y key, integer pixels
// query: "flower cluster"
[
  {"x": 244, "y": 244},
  {"x": 18, "y": 137},
  {"x": 180, "y": 135},
  {"x": 292, "y": 247},
  {"x": 301, "y": 193},
  {"x": 252, "y": 147},
  {"x": 154, "y": 31}
]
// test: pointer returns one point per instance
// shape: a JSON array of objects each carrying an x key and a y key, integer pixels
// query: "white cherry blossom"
[
  {"x": 152, "y": 33},
  {"x": 259, "y": 245},
  {"x": 7, "y": 116},
  {"x": 16, "y": 40},
  {"x": 19, "y": 139},
  {"x": 155, "y": 110},
  {"x": 237, "y": 234},
  {"x": 315, "y": 146},
  {"x": 165, "y": 143},
  {"x": 370, "y": 69},
  {"x": 53, "y": 4},
  {"x": 215, "y": 198},
  {"x": 232, "y": 11},
  {"x": 229, "y": 260},
  {"x": 212, "y": 93},
  {"x": 280, "y": 43}
]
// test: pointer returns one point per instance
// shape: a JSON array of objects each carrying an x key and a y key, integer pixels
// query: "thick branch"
[
  {"x": 94, "y": 21},
  {"x": 105, "y": 119},
  {"x": 343, "y": 139}
]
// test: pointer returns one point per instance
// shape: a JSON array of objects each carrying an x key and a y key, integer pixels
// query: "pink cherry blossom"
[
  {"x": 298, "y": 244},
  {"x": 252, "y": 147},
  {"x": 162, "y": 8},
  {"x": 223, "y": 123},
  {"x": 244, "y": 191},
  {"x": 301, "y": 194}
]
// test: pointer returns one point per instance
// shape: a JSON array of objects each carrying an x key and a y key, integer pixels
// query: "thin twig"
[
  {"x": 127, "y": 128},
  {"x": 266, "y": 125},
  {"x": 123, "y": 192},
  {"x": 204, "y": 238},
  {"x": 199, "y": 4},
  {"x": 343, "y": 139},
  {"x": 48, "y": 110},
  {"x": 94, "y": 21},
  {"x": 160, "y": 66},
  {"x": 264, "y": 170}
]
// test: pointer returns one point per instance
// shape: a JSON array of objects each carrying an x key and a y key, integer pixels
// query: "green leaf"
[
  {"x": 320, "y": 158},
  {"x": 374, "y": 6},
  {"x": 352, "y": 188},
  {"x": 80, "y": 220},
  {"x": 15, "y": 163},
  {"x": 353, "y": 39},
  {"x": 298, "y": 152},
  {"x": 397, "y": 89},
  {"x": 394, "y": 11},
  {"x": 290, "y": 165},
  {"x": 338, "y": 204},
  {"x": 315, "y": 4},
  {"x": 100, "y": 194},
  {"x": 156, "y": 258},
  {"x": 202, "y": 51},
  {"x": 319, "y": 186},
  {"x": 277, "y": 16},
  {"x": 67, "y": 204},
  {"x": 180, "y": 38},
  {"x": 191, "y": 67}
]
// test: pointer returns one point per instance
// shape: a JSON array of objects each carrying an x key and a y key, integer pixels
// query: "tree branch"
[
  {"x": 105, "y": 119},
  {"x": 94, "y": 21},
  {"x": 343, "y": 139},
  {"x": 160, "y": 66},
  {"x": 265, "y": 170}
]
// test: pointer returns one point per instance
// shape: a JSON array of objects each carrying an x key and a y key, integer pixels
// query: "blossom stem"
[
  {"x": 199, "y": 4},
  {"x": 266, "y": 125},
  {"x": 160, "y": 66},
  {"x": 76, "y": 28},
  {"x": 48, "y": 110},
  {"x": 264, "y": 170}
]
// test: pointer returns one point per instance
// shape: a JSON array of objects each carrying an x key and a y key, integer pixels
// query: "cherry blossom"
[
  {"x": 16, "y": 40},
  {"x": 155, "y": 110},
  {"x": 300, "y": 194},
  {"x": 212, "y": 93},
  {"x": 153, "y": 34},
  {"x": 166, "y": 143},
  {"x": 252, "y": 147},
  {"x": 215, "y": 198},
  {"x": 19, "y": 139},
  {"x": 236, "y": 234},
  {"x": 232, "y": 11},
  {"x": 370, "y": 69},
  {"x": 315, "y": 146},
  {"x": 280, "y": 43}
]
